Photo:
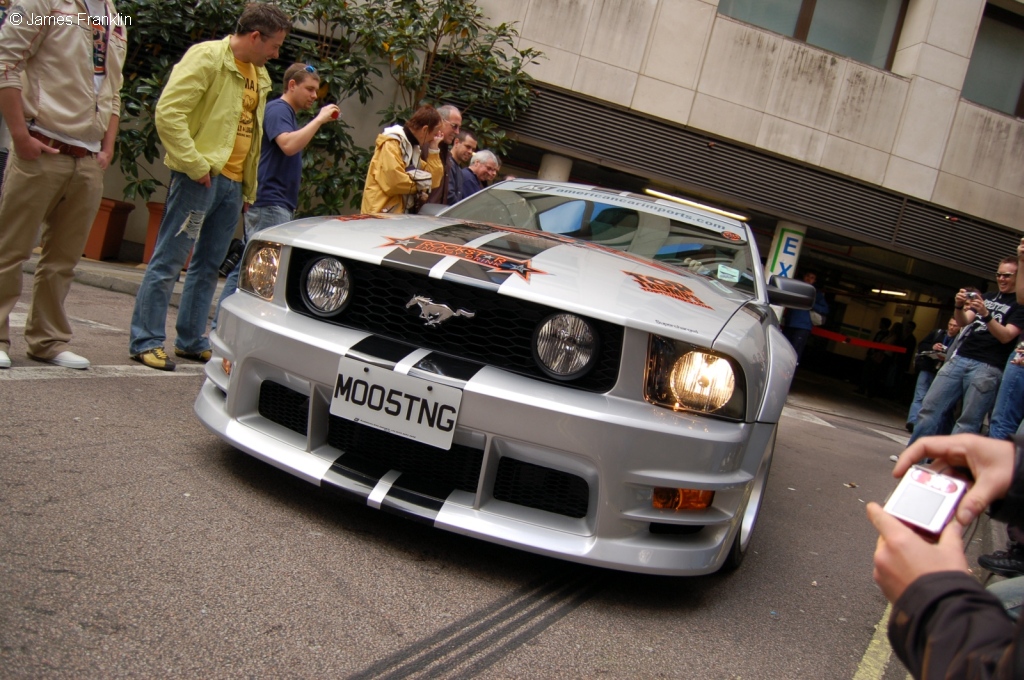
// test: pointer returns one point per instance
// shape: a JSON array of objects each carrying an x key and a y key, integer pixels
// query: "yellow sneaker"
[
  {"x": 203, "y": 356},
  {"x": 155, "y": 358}
]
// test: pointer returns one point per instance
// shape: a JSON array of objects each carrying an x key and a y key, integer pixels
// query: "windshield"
[{"x": 632, "y": 224}]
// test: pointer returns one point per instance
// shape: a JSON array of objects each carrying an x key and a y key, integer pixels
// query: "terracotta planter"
[{"x": 108, "y": 230}]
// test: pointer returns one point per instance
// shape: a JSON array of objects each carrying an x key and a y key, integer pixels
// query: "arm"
[
  {"x": 435, "y": 167},
  {"x": 292, "y": 143},
  {"x": 977, "y": 310},
  {"x": 107, "y": 147},
  {"x": 1020, "y": 277},
  {"x": 25, "y": 147},
  {"x": 188, "y": 83},
  {"x": 17, "y": 45},
  {"x": 944, "y": 624}
]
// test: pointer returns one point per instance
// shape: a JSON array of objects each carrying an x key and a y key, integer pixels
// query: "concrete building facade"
[{"x": 901, "y": 181}]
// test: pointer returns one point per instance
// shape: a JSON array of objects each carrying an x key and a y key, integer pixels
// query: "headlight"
[
  {"x": 686, "y": 378},
  {"x": 326, "y": 285},
  {"x": 565, "y": 346},
  {"x": 260, "y": 265}
]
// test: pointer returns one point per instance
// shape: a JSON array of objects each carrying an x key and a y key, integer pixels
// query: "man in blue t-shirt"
[{"x": 280, "y": 170}]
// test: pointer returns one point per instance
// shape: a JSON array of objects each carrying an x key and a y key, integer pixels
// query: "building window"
[
  {"x": 995, "y": 77},
  {"x": 865, "y": 30}
]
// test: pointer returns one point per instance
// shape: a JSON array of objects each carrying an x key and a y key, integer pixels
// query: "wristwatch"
[{"x": 988, "y": 317}]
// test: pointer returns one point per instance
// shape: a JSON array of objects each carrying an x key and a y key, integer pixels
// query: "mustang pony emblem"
[{"x": 435, "y": 314}]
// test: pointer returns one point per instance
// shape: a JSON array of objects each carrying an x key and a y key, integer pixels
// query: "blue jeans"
[
  {"x": 1011, "y": 593},
  {"x": 975, "y": 381},
  {"x": 924, "y": 381},
  {"x": 256, "y": 220},
  {"x": 797, "y": 337},
  {"x": 194, "y": 216},
  {"x": 1009, "y": 409}
]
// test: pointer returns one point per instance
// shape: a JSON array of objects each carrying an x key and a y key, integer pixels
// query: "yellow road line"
[{"x": 876, "y": 656}]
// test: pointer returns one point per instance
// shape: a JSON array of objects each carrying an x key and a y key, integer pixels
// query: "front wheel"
[{"x": 750, "y": 512}]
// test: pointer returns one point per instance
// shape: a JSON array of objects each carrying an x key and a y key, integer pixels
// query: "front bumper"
[{"x": 524, "y": 449}]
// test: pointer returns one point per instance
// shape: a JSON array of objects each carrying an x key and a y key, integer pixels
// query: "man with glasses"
[
  {"x": 280, "y": 169},
  {"x": 451, "y": 125},
  {"x": 482, "y": 170},
  {"x": 210, "y": 121},
  {"x": 991, "y": 324}
]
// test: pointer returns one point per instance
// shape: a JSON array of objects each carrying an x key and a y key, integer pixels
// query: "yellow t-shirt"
[{"x": 243, "y": 140}]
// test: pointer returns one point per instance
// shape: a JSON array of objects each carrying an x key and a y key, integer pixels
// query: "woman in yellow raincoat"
[{"x": 405, "y": 164}]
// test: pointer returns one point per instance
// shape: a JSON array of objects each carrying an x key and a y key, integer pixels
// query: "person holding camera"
[
  {"x": 931, "y": 353},
  {"x": 991, "y": 325},
  {"x": 944, "y": 624},
  {"x": 280, "y": 167}
]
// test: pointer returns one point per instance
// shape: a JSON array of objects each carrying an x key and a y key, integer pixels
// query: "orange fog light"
[
  {"x": 226, "y": 365},
  {"x": 681, "y": 499}
]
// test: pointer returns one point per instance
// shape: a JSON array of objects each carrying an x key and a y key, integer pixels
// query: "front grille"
[
  {"x": 425, "y": 469},
  {"x": 501, "y": 333},
  {"x": 541, "y": 488},
  {"x": 284, "y": 406}
]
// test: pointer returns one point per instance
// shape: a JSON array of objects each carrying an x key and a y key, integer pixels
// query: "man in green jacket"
[{"x": 210, "y": 121}]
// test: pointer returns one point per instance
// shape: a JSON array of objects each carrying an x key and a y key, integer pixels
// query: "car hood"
[{"x": 548, "y": 269}]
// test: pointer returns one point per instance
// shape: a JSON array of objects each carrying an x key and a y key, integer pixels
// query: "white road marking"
[
  {"x": 805, "y": 416},
  {"x": 58, "y": 373},
  {"x": 900, "y": 439},
  {"x": 95, "y": 324},
  {"x": 17, "y": 320}
]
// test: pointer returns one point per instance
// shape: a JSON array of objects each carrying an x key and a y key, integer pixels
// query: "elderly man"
[
  {"x": 483, "y": 168},
  {"x": 451, "y": 125}
]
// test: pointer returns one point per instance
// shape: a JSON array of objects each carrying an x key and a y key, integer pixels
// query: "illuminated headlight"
[
  {"x": 686, "y": 378},
  {"x": 326, "y": 285},
  {"x": 565, "y": 346},
  {"x": 260, "y": 265}
]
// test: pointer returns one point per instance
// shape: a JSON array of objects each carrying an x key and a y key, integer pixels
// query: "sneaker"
[
  {"x": 203, "y": 356},
  {"x": 1007, "y": 563},
  {"x": 155, "y": 358},
  {"x": 66, "y": 360},
  {"x": 5, "y": 360},
  {"x": 910, "y": 428}
]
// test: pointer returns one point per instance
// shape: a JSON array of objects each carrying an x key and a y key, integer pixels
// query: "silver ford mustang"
[{"x": 583, "y": 373}]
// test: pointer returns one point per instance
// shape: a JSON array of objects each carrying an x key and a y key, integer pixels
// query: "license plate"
[{"x": 400, "y": 404}]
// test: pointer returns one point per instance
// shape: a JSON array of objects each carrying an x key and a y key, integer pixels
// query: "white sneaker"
[
  {"x": 67, "y": 360},
  {"x": 5, "y": 360}
]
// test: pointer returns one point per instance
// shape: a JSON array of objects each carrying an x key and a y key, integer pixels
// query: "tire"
[{"x": 751, "y": 511}]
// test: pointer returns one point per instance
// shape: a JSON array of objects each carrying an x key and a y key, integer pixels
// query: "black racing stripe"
[
  {"x": 380, "y": 351},
  {"x": 349, "y": 482},
  {"x": 464, "y": 272},
  {"x": 411, "y": 505},
  {"x": 413, "y": 262},
  {"x": 448, "y": 366}
]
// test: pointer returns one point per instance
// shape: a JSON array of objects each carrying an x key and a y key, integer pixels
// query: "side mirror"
[
  {"x": 432, "y": 209},
  {"x": 790, "y": 293}
]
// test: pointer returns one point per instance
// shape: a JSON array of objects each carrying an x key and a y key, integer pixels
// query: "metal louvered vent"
[{"x": 739, "y": 175}]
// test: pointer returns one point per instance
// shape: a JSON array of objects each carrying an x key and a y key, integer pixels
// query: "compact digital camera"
[{"x": 926, "y": 499}]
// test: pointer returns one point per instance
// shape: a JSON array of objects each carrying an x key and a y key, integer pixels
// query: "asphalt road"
[{"x": 133, "y": 543}]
